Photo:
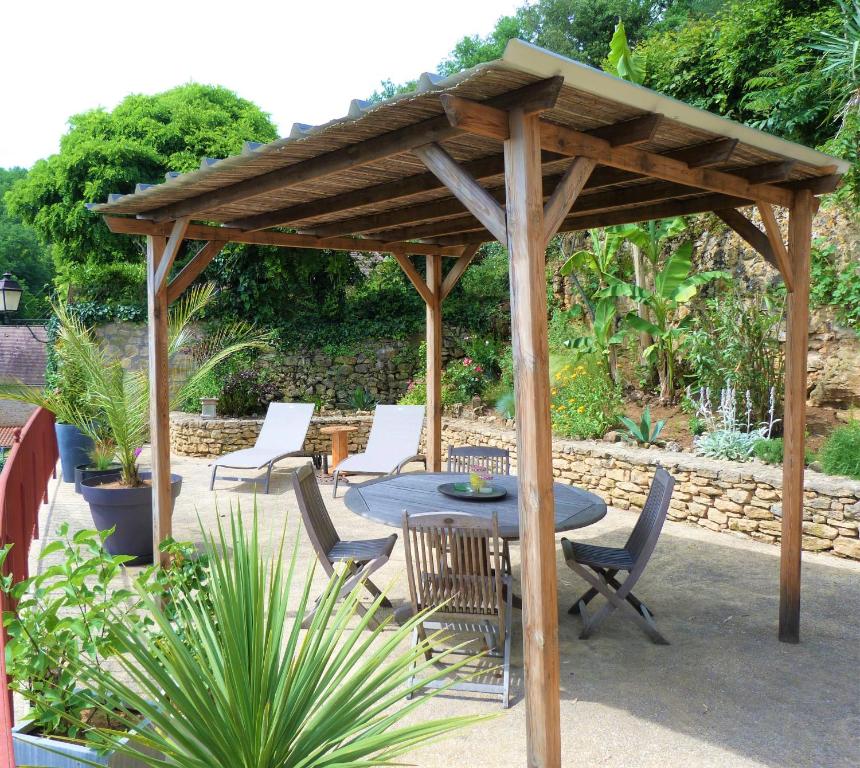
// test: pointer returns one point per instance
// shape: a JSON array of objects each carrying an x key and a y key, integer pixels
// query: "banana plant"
[
  {"x": 604, "y": 337},
  {"x": 674, "y": 286}
]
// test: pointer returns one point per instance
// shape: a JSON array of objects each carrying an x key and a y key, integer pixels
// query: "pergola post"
[
  {"x": 159, "y": 395},
  {"x": 526, "y": 245},
  {"x": 434, "y": 363},
  {"x": 797, "y": 333}
]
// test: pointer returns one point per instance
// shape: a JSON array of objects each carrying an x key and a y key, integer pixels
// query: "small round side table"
[{"x": 339, "y": 442}]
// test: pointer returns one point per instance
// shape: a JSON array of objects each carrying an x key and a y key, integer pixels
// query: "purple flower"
[{"x": 138, "y": 451}]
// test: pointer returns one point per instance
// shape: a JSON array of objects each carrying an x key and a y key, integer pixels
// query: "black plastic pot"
[
  {"x": 130, "y": 510},
  {"x": 74, "y": 448},
  {"x": 85, "y": 472}
]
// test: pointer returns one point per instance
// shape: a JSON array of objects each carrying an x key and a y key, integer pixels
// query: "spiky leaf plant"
[{"x": 242, "y": 685}]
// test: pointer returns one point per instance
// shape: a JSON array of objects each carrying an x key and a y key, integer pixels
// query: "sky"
[{"x": 300, "y": 61}]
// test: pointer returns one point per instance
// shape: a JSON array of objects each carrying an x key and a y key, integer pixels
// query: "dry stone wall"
[{"x": 731, "y": 497}]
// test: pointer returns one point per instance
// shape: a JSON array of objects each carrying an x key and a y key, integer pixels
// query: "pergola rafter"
[{"x": 513, "y": 150}]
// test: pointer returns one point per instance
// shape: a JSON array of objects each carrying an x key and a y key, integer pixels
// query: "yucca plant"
[
  {"x": 643, "y": 432},
  {"x": 118, "y": 399},
  {"x": 235, "y": 682}
]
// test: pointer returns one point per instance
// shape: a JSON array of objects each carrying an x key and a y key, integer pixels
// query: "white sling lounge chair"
[
  {"x": 393, "y": 442},
  {"x": 282, "y": 434}
]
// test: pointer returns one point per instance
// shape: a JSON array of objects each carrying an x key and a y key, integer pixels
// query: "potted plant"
[
  {"x": 120, "y": 399},
  {"x": 236, "y": 681},
  {"x": 67, "y": 399},
  {"x": 101, "y": 463},
  {"x": 66, "y": 616}
]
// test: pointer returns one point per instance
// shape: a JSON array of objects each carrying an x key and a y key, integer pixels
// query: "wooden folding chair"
[
  {"x": 362, "y": 557},
  {"x": 454, "y": 564},
  {"x": 497, "y": 461},
  {"x": 599, "y": 566},
  {"x": 462, "y": 458}
]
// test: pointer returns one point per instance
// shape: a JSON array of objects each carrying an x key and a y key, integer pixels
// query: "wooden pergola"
[{"x": 515, "y": 150}]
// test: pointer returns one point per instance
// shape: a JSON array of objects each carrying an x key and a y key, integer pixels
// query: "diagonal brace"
[
  {"x": 177, "y": 235},
  {"x": 463, "y": 186},
  {"x": 565, "y": 194},
  {"x": 774, "y": 236}
]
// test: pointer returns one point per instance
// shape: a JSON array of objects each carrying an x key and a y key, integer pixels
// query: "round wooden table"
[
  {"x": 339, "y": 442},
  {"x": 384, "y": 500}
]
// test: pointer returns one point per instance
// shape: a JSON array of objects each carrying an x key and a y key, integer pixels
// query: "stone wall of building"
[{"x": 726, "y": 496}]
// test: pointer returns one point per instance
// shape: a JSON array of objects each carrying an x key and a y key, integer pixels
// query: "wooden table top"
[
  {"x": 335, "y": 428},
  {"x": 384, "y": 500}
]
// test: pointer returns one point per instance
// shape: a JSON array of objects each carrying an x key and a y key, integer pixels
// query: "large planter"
[
  {"x": 74, "y": 448},
  {"x": 53, "y": 753},
  {"x": 130, "y": 510},
  {"x": 85, "y": 472}
]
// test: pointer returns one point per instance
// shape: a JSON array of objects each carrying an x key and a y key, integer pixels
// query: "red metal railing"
[{"x": 23, "y": 486}]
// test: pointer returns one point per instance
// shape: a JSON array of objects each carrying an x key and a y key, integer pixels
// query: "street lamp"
[{"x": 10, "y": 294}]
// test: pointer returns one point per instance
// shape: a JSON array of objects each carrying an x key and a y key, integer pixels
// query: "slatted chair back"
[
  {"x": 315, "y": 516},
  {"x": 462, "y": 458},
  {"x": 644, "y": 535},
  {"x": 456, "y": 559}
]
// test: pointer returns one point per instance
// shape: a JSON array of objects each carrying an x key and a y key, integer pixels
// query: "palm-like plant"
[
  {"x": 842, "y": 56},
  {"x": 674, "y": 286},
  {"x": 239, "y": 684},
  {"x": 643, "y": 432},
  {"x": 118, "y": 399}
]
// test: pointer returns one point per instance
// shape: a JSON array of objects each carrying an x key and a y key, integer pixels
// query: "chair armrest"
[{"x": 417, "y": 457}]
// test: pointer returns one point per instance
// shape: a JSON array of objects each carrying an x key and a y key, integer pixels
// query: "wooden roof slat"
[{"x": 433, "y": 129}]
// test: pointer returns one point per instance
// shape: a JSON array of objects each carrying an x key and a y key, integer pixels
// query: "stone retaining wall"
[
  {"x": 733, "y": 497},
  {"x": 192, "y": 435}
]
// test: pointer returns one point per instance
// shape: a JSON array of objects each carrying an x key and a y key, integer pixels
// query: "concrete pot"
[
  {"x": 130, "y": 510},
  {"x": 85, "y": 472},
  {"x": 74, "y": 447},
  {"x": 53, "y": 753}
]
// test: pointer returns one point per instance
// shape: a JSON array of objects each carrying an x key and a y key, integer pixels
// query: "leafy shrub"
[
  {"x": 835, "y": 284},
  {"x": 730, "y": 444},
  {"x": 840, "y": 454},
  {"x": 462, "y": 380},
  {"x": 585, "y": 402},
  {"x": 771, "y": 451},
  {"x": 416, "y": 392},
  {"x": 361, "y": 400},
  {"x": 206, "y": 386},
  {"x": 246, "y": 393},
  {"x": 736, "y": 339}
]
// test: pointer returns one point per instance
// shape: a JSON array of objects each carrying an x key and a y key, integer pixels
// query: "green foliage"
[
  {"x": 751, "y": 61},
  {"x": 643, "y": 432},
  {"x": 416, "y": 392},
  {"x": 579, "y": 29},
  {"x": 735, "y": 339},
  {"x": 771, "y": 451},
  {"x": 22, "y": 254},
  {"x": 247, "y": 392},
  {"x": 834, "y": 283},
  {"x": 462, "y": 380},
  {"x": 243, "y": 685},
  {"x": 361, "y": 400},
  {"x": 622, "y": 62},
  {"x": 840, "y": 454},
  {"x": 675, "y": 285},
  {"x": 585, "y": 402},
  {"x": 65, "y": 617},
  {"x": 105, "y": 152},
  {"x": 729, "y": 444}
]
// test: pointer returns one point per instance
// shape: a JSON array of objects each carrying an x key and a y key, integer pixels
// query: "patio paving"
[{"x": 724, "y": 693}]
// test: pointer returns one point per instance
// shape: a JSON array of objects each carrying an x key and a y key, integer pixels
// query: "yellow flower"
[{"x": 581, "y": 409}]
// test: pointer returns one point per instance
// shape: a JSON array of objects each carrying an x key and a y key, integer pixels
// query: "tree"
[
  {"x": 104, "y": 152},
  {"x": 22, "y": 254},
  {"x": 578, "y": 29}
]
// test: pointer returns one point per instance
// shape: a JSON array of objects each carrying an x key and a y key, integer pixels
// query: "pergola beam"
[
  {"x": 484, "y": 120},
  {"x": 174, "y": 242},
  {"x": 777, "y": 245},
  {"x": 187, "y": 275},
  {"x": 748, "y": 231},
  {"x": 794, "y": 423},
  {"x": 424, "y": 291},
  {"x": 479, "y": 202},
  {"x": 131, "y": 226},
  {"x": 456, "y": 271}
]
